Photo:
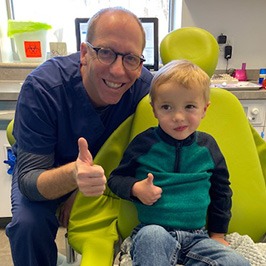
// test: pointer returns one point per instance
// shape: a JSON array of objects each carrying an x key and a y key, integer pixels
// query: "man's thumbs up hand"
[
  {"x": 90, "y": 177},
  {"x": 84, "y": 153}
]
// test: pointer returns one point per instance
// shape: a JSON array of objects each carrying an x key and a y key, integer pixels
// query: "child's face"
[{"x": 179, "y": 110}]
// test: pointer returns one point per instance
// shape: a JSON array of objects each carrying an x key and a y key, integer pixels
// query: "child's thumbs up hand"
[{"x": 146, "y": 191}]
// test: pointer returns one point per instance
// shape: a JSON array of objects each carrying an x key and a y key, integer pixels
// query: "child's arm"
[{"x": 219, "y": 211}]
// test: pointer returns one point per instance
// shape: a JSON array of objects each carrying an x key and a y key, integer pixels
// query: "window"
[{"x": 61, "y": 14}]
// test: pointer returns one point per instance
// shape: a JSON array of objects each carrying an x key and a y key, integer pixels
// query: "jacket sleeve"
[
  {"x": 123, "y": 178},
  {"x": 219, "y": 211},
  {"x": 28, "y": 168}
]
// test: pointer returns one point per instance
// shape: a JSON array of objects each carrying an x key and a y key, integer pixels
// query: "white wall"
[
  {"x": 243, "y": 21},
  {"x": 5, "y": 48}
]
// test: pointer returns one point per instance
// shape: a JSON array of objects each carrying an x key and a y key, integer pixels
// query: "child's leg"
[
  {"x": 210, "y": 252},
  {"x": 153, "y": 245}
]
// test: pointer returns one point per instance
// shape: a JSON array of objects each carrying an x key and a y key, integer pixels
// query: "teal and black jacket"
[{"x": 192, "y": 174}]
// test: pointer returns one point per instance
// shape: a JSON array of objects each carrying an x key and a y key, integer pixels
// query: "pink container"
[{"x": 241, "y": 74}]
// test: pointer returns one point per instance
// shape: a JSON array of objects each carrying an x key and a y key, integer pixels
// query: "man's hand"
[
  {"x": 145, "y": 191},
  {"x": 90, "y": 178}
]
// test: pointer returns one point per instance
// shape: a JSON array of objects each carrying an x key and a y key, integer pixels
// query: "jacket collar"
[{"x": 170, "y": 140}]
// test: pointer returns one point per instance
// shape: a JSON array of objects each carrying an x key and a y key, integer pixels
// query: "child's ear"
[
  {"x": 207, "y": 105},
  {"x": 205, "y": 108},
  {"x": 153, "y": 109}
]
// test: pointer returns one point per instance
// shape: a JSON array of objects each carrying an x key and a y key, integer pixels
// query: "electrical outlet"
[
  {"x": 221, "y": 39},
  {"x": 228, "y": 52}
]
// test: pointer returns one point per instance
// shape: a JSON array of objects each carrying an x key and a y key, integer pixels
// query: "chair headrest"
[{"x": 191, "y": 43}]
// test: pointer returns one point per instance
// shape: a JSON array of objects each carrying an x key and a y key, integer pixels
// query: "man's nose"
[{"x": 117, "y": 66}]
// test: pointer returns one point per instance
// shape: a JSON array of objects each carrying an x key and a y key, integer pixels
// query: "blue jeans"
[
  {"x": 32, "y": 230},
  {"x": 155, "y": 246}
]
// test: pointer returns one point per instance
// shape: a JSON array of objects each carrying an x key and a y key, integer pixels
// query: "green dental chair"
[{"x": 99, "y": 224}]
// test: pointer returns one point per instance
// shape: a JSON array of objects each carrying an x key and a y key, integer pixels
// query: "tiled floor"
[{"x": 5, "y": 255}]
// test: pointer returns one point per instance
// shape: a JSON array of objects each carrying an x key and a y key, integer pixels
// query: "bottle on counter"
[{"x": 262, "y": 75}]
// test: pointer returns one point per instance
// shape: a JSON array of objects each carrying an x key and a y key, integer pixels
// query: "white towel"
[{"x": 254, "y": 252}]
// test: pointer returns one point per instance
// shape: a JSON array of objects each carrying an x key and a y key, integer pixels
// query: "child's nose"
[{"x": 178, "y": 115}]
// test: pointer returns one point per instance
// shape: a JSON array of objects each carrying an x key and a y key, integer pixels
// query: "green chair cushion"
[{"x": 192, "y": 43}]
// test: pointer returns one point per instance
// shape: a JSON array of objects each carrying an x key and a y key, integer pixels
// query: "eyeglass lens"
[{"x": 107, "y": 56}]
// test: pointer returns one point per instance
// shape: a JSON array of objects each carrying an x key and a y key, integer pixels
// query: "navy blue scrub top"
[{"x": 54, "y": 110}]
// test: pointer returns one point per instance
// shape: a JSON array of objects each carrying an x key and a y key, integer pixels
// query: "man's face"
[{"x": 106, "y": 84}]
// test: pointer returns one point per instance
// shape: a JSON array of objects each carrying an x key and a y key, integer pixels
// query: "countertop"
[
  {"x": 9, "y": 91},
  {"x": 250, "y": 94}
]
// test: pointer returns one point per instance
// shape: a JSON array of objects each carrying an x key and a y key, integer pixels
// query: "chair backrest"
[{"x": 191, "y": 43}]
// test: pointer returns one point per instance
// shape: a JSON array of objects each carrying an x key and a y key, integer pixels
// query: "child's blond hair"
[{"x": 181, "y": 72}]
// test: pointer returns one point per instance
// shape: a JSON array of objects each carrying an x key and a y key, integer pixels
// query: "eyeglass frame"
[{"x": 97, "y": 49}]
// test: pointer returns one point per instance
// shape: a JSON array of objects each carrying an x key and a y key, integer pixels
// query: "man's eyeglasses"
[{"x": 107, "y": 56}]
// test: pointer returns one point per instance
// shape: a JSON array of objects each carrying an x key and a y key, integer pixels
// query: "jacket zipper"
[{"x": 178, "y": 147}]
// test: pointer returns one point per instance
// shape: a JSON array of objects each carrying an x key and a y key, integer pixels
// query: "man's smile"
[{"x": 113, "y": 84}]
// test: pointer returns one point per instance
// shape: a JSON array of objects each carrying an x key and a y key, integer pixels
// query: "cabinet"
[
  {"x": 254, "y": 104},
  {"x": 256, "y": 114},
  {"x": 8, "y": 95},
  {"x": 5, "y": 179}
]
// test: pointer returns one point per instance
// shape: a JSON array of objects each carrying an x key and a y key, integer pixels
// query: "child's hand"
[
  {"x": 146, "y": 192},
  {"x": 219, "y": 238}
]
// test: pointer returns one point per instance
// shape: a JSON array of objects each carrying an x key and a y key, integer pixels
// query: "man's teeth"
[{"x": 113, "y": 85}]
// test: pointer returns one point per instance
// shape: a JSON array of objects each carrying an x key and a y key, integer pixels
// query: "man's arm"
[
  {"x": 36, "y": 183},
  {"x": 57, "y": 182}
]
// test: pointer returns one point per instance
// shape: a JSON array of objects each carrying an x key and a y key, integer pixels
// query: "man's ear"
[
  {"x": 83, "y": 53},
  {"x": 139, "y": 69}
]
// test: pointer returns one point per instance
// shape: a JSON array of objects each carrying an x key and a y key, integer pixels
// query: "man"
[{"x": 66, "y": 105}]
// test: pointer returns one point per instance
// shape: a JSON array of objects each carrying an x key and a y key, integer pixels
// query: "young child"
[{"x": 177, "y": 177}]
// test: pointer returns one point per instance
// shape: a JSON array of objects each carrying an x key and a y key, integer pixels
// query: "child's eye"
[
  {"x": 166, "y": 107},
  {"x": 190, "y": 106}
]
